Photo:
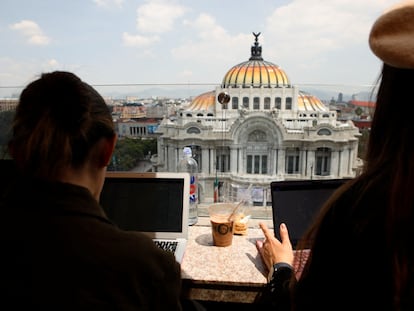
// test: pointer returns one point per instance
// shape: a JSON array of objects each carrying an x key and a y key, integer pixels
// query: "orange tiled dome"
[
  {"x": 308, "y": 102},
  {"x": 255, "y": 72},
  {"x": 205, "y": 101}
]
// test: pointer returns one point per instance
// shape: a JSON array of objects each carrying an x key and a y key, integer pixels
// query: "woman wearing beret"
[{"x": 362, "y": 244}]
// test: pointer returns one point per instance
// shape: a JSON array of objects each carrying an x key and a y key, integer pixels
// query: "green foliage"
[
  {"x": 129, "y": 151},
  {"x": 150, "y": 146},
  {"x": 359, "y": 111}
]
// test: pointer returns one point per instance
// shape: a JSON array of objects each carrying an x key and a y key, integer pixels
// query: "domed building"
[{"x": 254, "y": 128}]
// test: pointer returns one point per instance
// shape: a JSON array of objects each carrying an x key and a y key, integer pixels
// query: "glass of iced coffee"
[{"x": 222, "y": 223}]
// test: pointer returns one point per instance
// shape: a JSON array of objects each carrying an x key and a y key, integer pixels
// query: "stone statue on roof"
[{"x": 256, "y": 50}]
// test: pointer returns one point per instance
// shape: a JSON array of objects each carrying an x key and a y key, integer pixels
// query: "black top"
[
  {"x": 350, "y": 267},
  {"x": 60, "y": 251}
]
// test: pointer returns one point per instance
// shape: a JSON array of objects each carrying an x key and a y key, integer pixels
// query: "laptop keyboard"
[{"x": 169, "y": 246}]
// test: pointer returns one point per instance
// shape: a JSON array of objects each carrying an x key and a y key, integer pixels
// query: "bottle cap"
[{"x": 187, "y": 151}]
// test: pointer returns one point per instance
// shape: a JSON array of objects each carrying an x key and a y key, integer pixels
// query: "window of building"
[
  {"x": 324, "y": 132},
  {"x": 245, "y": 102},
  {"x": 196, "y": 153},
  {"x": 292, "y": 161},
  {"x": 278, "y": 103},
  {"x": 235, "y": 103},
  {"x": 288, "y": 103},
  {"x": 223, "y": 159},
  {"x": 264, "y": 164},
  {"x": 257, "y": 153},
  {"x": 256, "y": 103},
  {"x": 193, "y": 130},
  {"x": 323, "y": 161},
  {"x": 256, "y": 164}
]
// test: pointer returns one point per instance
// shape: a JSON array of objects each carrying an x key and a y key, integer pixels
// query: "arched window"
[
  {"x": 278, "y": 103},
  {"x": 245, "y": 102},
  {"x": 193, "y": 130},
  {"x": 324, "y": 132},
  {"x": 257, "y": 159}
]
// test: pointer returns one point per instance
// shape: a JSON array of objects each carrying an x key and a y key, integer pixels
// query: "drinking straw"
[{"x": 235, "y": 209}]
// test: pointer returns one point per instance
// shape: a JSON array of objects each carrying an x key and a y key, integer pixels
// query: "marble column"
[{"x": 206, "y": 161}]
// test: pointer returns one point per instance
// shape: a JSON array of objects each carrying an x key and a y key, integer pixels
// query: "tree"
[
  {"x": 129, "y": 151},
  {"x": 359, "y": 111}
]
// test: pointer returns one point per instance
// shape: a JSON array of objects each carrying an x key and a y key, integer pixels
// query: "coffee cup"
[{"x": 221, "y": 224}]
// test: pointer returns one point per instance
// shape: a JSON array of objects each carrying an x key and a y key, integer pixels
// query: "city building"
[
  {"x": 137, "y": 128},
  {"x": 254, "y": 128},
  {"x": 8, "y": 104}
]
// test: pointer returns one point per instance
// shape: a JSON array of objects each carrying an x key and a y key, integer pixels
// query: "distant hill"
[
  {"x": 323, "y": 92},
  {"x": 178, "y": 91},
  {"x": 326, "y": 93}
]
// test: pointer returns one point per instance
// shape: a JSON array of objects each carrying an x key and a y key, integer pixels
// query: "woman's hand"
[{"x": 272, "y": 250}]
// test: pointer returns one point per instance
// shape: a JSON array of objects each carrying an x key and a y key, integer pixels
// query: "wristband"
[{"x": 276, "y": 267}]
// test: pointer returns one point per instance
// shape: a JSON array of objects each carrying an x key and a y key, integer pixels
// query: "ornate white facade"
[{"x": 269, "y": 130}]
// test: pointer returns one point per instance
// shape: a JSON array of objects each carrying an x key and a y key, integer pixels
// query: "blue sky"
[{"x": 187, "y": 41}]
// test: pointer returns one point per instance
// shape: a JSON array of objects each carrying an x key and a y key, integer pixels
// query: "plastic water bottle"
[{"x": 189, "y": 164}]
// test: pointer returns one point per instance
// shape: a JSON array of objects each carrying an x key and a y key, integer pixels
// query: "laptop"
[
  {"x": 297, "y": 202},
  {"x": 154, "y": 203}
]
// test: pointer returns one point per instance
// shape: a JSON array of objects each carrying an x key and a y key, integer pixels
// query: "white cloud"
[
  {"x": 52, "y": 63},
  {"x": 185, "y": 75},
  {"x": 16, "y": 73},
  {"x": 158, "y": 16},
  {"x": 303, "y": 34},
  {"x": 109, "y": 3},
  {"x": 213, "y": 42},
  {"x": 19, "y": 73},
  {"x": 311, "y": 27},
  {"x": 138, "y": 40},
  {"x": 153, "y": 17},
  {"x": 32, "y": 32}
]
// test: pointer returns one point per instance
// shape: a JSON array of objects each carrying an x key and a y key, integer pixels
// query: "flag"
[{"x": 216, "y": 190}]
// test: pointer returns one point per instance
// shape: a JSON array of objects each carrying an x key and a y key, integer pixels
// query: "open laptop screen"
[
  {"x": 297, "y": 203},
  {"x": 146, "y": 202}
]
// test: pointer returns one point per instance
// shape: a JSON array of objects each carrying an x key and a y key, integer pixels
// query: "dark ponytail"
[{"x": 58, "y": 120}]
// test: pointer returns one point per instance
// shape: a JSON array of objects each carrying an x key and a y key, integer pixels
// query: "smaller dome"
[
  {"x": 205, "y": 101},
  {"x": 308, "y": 102}
]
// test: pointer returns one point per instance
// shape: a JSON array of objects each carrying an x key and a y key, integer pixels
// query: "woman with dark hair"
[
  {"x": 59, "y": 250},
  {"x": 362, "y": 243}
]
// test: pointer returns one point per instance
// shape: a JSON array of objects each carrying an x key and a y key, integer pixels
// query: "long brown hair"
[
  {"x": 58, "y": 119},
  {"x": 389, "y": 158}
]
